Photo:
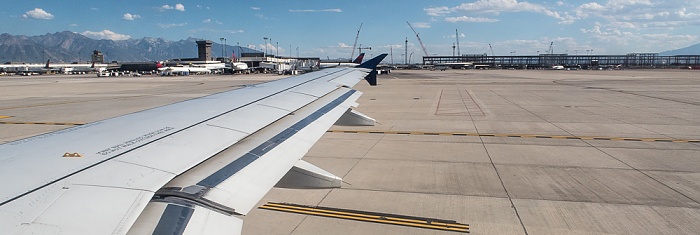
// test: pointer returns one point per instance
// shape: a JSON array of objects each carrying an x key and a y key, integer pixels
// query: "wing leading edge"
[{"x": 192, "y": 167}]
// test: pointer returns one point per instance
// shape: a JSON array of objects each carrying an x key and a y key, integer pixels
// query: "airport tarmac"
[{"x": 505, "y": 151}]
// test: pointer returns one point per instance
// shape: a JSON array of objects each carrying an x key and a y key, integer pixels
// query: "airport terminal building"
[{"x": 545, "y": 61}]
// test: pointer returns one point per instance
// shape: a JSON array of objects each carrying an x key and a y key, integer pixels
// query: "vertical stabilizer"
[{"x": 359, "y": 58}]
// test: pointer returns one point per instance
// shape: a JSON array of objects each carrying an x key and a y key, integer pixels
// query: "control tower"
[{"x": 204, "y": 50}]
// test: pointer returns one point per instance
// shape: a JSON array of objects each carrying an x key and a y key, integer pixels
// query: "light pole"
[
  {"x": 265, "y": 38},
  {"x": 225, "y": 49},
  {"x": 405, "y": 58},
  {"x": 277, "y": 48},
  {"x": 297, "y": 52},
  {"x": 409, "y": 57},
  {"x": 222, "y": 48}
]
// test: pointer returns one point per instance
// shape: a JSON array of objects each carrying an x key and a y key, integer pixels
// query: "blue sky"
[{"x": 328, "y": 28}]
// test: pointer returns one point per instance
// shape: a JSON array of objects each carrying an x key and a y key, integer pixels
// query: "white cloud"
[
  {"x": 73, "y": 25},
  {"x": 470, "y": 19},
  {"x": 211, "y": 21},
  {"x": 620, "y": 4},
  {"x": 461, "y": 35},
  {"x": 321, "y": 10},
  {"x": 255, "y": 8},
  {"x": 38, "y": 14},
  {"x": 638, "y": 40},
  {"x": 437, "y": 11},
  {"x": 216, "y": 31},
  {"x": 129, "y": 16},
  {"x": 492, "y": 7},
  {"x": 166, "y": 26},
  {"x": 105, "y": 34},
  {"x": 179, "y": 7},
  {"x": 497, "y": 6},
  {"x": 683, "y": 13},
  {"x": 343, "y": 45},
  {"x": 421, "y": 25}
]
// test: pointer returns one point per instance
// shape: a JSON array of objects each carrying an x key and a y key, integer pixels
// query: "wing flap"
[
  {"x": 184, "y": 218},
  {"x": 241, "y": 175}
]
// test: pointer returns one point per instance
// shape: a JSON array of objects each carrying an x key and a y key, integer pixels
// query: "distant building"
[
  {"x": 97, "y": 57},
  {"x": 204, "y": 50}
]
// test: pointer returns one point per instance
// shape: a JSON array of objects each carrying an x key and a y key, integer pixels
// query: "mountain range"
[
  {"x": 66, "y": 47},
  {"x": 690, "y": 50}
]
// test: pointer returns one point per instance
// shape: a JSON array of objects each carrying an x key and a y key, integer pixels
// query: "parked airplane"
[
  {"x": 183, "y": 70},
  {"x": 27, "y": 69},
  {"x": 239, "y": 67},
  {"x": 193, "y": 167},
  {"x": 454, "y": 65},
  {"x": 353, "y": 63},
  {"x": 83, "y": 68}
]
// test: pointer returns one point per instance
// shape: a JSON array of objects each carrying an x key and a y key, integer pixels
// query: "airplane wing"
[{"x": 193, "y": 167}]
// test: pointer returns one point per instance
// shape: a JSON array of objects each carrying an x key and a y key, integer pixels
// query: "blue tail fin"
[{"x": 372, "y": 64}]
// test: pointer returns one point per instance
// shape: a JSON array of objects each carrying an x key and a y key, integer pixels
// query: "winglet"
[
  {"x": 47, "y": 64},
  {"x": 372, "y": 64}
]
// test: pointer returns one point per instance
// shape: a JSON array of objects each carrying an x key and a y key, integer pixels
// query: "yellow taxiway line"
[
  {"x": 366, "y": 216},
  {"x": 44, "y": 123},
  {"x": 520, "y": 136}
]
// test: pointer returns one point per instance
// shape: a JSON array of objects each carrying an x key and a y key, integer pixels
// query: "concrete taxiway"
[{"x": 505, "y": 151}]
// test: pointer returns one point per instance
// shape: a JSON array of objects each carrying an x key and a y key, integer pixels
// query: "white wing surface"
[{"x": 193, "y": 167}]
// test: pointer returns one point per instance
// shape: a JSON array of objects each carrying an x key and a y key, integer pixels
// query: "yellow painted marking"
[
  {"x": 522, "y": 136},
  {"x": 44, "y": 123},
  {"x": 72, "y": 155},
  {"x": 356, "y": 215},
  {"x": 5, "y": 117}
]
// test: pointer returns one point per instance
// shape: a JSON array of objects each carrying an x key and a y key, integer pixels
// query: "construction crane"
[
  {"x": 352, "y": 54},
  {"x": 551, "y": 48},
  {"x": 360, "y": 49},
  {"x": 491, "y": 49},
  {"x": 457, "y": 37},
  {"x": 419, "y": 41}
]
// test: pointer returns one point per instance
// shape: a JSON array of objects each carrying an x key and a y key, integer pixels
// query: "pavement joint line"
[
  {"x": 43, "y": 123},
  {"x": 536, "y": 136},
  {"x": 367, "y": 216}
]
